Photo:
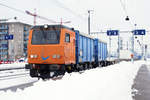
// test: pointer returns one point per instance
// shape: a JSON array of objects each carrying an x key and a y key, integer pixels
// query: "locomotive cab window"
[
  {"x": 67, "y": 37},
  {"x": 40, "y": 37}
]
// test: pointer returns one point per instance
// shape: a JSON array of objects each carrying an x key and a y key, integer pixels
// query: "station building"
[{"x": 13, "y": 40}]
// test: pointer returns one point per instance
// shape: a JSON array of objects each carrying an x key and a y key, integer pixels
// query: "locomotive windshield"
[{"x": 45, "y": 37}]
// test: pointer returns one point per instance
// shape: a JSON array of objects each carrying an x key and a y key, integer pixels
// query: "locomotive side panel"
[{"x": 69, "y": 46}]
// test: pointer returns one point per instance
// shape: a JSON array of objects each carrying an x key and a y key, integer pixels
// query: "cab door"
[{"x": 69, "y": 47}]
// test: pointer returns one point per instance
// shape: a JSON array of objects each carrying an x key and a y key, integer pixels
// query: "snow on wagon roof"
[{"x": 92, "y": 37}]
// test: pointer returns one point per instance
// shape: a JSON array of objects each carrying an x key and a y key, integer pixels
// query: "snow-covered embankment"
[{"x": 109, "y": 83}]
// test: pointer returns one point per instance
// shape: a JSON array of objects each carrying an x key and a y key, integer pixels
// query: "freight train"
[{"x": 56, "y": 49}]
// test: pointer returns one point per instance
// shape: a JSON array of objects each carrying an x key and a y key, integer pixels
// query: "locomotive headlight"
[
  {"x": 56, "y": 56},
  {"x": 45, "y": 26},
  {"x": 33, "y": 56}
]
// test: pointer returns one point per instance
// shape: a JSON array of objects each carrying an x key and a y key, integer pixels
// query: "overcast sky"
[{"x": 107, "y": 14}]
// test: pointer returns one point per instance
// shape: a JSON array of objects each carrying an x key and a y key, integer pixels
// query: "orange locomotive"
[{"x": 50, "y": 49}]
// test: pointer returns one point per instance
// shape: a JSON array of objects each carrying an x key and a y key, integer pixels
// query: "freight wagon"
[{"x": 100, "y": 53}]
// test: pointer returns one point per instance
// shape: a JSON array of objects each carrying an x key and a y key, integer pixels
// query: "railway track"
[
  {"x": 15, "y": 79},
  {"x": 6, "y": 77},
  {"x": 13, "y": 73},
  {"x": 20, "y": 86}
]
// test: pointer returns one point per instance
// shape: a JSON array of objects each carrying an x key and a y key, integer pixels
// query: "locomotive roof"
[{"x": 51, "y": 26}]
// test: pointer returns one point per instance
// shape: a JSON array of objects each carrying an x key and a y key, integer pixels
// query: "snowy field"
[{"x": 109, "y": 83}]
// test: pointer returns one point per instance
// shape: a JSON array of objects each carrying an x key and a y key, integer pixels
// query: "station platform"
[{"x": 141, "y": 84}]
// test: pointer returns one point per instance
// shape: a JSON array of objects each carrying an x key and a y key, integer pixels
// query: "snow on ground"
[
  {"x": 12, "y": 78},
  {"x": 13, "y": 65},
  {"x": 109, "y": 83},
  {"x": 15, "y": 81},
  {"x": 148, "y": 63}
]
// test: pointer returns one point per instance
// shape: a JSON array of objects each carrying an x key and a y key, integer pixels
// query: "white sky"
[{"x": 108, "y": 14}]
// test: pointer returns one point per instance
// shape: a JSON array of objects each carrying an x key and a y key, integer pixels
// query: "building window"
[
  {"x": 12, "y": 30},
  {"x": 12, "y": 25},
  {"x": 67, "y": 37},
  {"x": 5, "y": 26}
]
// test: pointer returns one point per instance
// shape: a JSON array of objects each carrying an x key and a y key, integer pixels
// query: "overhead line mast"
[
  {"x": 89, "y": 21},
  {"x": 44, "y": 18},
  {"x": 41, "y": 17}
]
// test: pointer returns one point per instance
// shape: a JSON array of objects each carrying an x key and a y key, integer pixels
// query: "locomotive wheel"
[
  {"x": 33, "y": 73},
  {"x": 90, "y": 66},
  {"x": 44, "y": 74},
  {"x": 85, "y": 66}
]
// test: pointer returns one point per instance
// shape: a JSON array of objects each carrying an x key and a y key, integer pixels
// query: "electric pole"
[
  {"x": 34, "y": 17},
  {"x": 89, "y": 12}
]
